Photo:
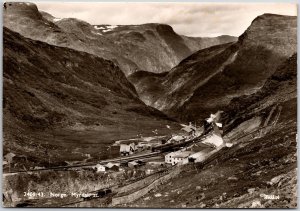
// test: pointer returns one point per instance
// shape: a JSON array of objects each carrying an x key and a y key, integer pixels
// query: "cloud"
[{"x": 192, "y": 19}]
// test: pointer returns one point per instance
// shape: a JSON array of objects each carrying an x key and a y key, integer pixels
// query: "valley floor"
[{"x": 255, "y": 173}]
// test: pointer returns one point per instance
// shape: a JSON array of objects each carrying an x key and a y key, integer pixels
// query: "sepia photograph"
[{"x": 149, "y": 105}]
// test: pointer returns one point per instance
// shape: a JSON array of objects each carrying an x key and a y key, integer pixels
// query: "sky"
[{"x": 191, "y": 19}]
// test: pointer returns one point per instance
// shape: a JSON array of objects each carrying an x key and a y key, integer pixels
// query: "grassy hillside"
[
  {"x": 63, "y": 104},
  {"x": 259, "y": 164}
]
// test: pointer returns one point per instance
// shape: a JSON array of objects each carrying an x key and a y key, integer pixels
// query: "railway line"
[
  {"x": 119, "y": 159},
  {"x": 157, "y": 150},
  {"x": 106, "y": 195}
]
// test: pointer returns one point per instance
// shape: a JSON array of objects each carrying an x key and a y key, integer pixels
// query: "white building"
[
  {"x": 127, "y": 149},
  {"x": 99, "y": 168},
  {"x": 177, "y": 157}
]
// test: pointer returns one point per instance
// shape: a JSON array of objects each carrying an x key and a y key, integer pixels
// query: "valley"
[{"x": 139, "y": 116}]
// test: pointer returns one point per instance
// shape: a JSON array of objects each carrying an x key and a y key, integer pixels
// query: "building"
[
  {"x": 99, "y": 168},
  {"x": 112, "y": 166},
  {"x": 213, "y": 121},
  {"x": 127, "y": 149},
  {"x": 181, "y": 158},
  {"x": 177, "y": 157}
]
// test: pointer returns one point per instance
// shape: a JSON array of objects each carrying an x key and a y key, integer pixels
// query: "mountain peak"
[
  {"x": 22, "y": 8},
  {"x": 272, "y": 15},
  {"x": 271, "y": 30}
]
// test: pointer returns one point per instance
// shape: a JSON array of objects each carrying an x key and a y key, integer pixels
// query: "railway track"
[
  {"x": 162, "y": 172},
  {"x": 129, "y": 158},
  {"x": 161, "y": 149}
]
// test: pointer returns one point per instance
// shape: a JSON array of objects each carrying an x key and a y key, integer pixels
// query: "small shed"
[{"x": 99, "y": 168}]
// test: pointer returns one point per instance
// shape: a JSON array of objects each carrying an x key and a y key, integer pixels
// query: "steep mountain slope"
[
  {"x": 260, "y": 169},
  {"x": 147, "y": 47},
  {"x": 149, "y": 85},
  {"x": 197, "y": 43},
  {"x": 207, "y": 80},
  {"x": 68, "y": 104},
  {"x": 280, "y": 90}
]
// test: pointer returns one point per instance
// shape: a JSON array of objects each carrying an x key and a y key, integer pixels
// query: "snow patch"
[
  {"x": 110, "y": 28},
  {"x": 99, "y": 27},
  {"x": 56, "y": 19}
]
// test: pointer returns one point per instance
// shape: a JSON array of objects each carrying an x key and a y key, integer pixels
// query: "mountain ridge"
[
  {"x": 132, "y": 47},
  {"x": 61, "y": 99},
  {"x": 251, "y": 60}
]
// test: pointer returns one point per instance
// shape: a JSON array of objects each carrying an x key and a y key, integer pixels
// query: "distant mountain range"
[
  {"x": 58, "y": 99},
  {"x": 147, "y": 47},
  {"x": 207, "y": 80}
]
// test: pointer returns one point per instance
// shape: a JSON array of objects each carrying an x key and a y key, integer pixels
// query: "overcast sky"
[{"x": 192, "y": 19}]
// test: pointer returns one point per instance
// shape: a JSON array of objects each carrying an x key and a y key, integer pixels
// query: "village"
[
  {"x": 138, "y": 165},
  {"x": 192, "y": 145},
  {"x": 151, "y": 154}
]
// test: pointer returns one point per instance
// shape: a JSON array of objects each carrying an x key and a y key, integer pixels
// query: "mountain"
[
  {"x": 197, "y": 43},
  {"x": 279, "y": 91},
  {"x": 68, "y": 104},
  {"x": 259, "y": 164},
  {"x": 207, "y": 80},
  {"x": 147, "y": 47}
]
